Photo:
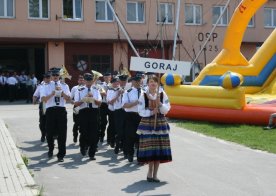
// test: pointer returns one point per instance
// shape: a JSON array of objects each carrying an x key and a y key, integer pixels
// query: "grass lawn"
[{"x": 252, "y": 136}]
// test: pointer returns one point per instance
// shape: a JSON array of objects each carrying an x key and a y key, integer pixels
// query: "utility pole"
[
  {"x": 122, "y": 28},
  {"x": 176, "y": 29}
]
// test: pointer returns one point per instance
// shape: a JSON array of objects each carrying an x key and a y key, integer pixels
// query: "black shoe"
[
  {"x": 75, "y": 139},
  {"x": 83, "y": 151},
  {"x": 125, "y": 156},
  {"x": 130, "y": 159},
  {"x": 112, "y": 145},
  {"x": 60, "y": 160},
  {"x": 116, "y": 150},
  {"x": 101, "y": 140},
  {"x": 50, "y": 154},
  {"x": 92, "y": 158},
  {"x": 149, "y": 179},
  {"x": 155, "y": 180},
  {"x": 42, "y": 139}
]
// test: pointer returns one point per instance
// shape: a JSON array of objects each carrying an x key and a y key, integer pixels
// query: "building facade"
[{"x": 82, "y": 34}]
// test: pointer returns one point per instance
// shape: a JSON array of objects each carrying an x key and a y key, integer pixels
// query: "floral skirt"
[{"x": 154, "y": 144}]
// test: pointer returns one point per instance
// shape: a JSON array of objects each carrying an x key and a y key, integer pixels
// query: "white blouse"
[{"x": 146, "y": 112}]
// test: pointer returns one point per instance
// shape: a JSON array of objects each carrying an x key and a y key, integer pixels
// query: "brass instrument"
[{"x": 64, "y": 73}]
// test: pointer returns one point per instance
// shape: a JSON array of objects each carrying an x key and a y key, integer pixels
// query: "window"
[
  {"x": 103, "y": 12},
  {"x": 251, "y": 22},
  {"x": 6, "y": 8},
  {"x": 217, "y": 10},
  {"x": 72, "y": 9},
  {"x": 135, "y": 12},
  {"x": 101, "y": 63},
  {"x": 193, "y": 14},
  {"x": 166, "y": 13},
  {"x": 38, "y": 9},
  {"x": 269, "y": 17}
]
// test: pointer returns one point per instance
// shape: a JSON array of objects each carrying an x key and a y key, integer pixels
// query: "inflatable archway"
[{"x": 211, "y": 96}]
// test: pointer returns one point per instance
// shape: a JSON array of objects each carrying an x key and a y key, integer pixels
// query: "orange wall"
[{"x": 88, "y": 28}]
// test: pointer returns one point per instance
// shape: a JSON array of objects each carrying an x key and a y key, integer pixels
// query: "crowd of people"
[
  {"x": 17, "y": 87},
  {"x": 128, "y": 110}
]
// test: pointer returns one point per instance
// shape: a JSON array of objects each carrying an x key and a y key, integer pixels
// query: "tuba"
[
  {"x": 124, "y": 71},
  {"x": 64, "y": 73},
  {"x": 96, "y": 75}
]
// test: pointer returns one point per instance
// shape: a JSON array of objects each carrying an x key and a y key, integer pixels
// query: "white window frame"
[
  {"x": 253, "y": 22},
  {"x": 166, "y": 12},
  {"x": 221, "y": 9},
  {"x": 273, "y": 23},
  {"x": 136, "y": 6},
  {"x": 194, "y": 14},
  {"x": 106, "y": 16},
  {"x": 40, "y": 11},
  {"x": 74, "y": 12},
  {"x": 6, "y": 11}
]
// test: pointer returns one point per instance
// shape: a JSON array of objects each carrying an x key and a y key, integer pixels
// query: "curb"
[{"x": 15, "y": 178}]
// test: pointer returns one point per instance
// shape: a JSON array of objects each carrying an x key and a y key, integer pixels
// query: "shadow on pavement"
[{"x": 143, "y": 186}]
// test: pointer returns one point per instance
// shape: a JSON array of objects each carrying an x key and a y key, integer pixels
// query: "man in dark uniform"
[
  {"x": 119, "y": 116},
  {"x": 130, "y": 104},
  {"x": 88, "y": 99},
  {"x": 76, "y": 125},
  {"x": 111, "y": 98},
  {"x": 55, "y": 94},
  {"x": 104, "y": 114},
  {"x": 36, "y": 97}
]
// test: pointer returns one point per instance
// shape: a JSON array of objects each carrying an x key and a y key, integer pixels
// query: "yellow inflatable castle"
[{"x": 230, "y": 89}]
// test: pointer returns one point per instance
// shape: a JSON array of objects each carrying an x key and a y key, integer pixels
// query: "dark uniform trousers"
[
  {"x": 76, "y": 125},
  {"x": 89, "y": 134},
  {"x": 12, "y": 92},
  {"x": 56, "y": 125},
  {"x": 119, "y": 122},
  {"x": 104, "y": 113},
  {"x": 42, "y": 120},
  {"x": 132, "y": 122},
  {"x": 111, "y": 129}
]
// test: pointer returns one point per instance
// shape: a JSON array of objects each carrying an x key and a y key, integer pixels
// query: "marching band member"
[
  {"x": 76, "y": 125},
  {"x": 55, "y": 94},
  {"x": 119, "y": 116},
  {"x": 104, "y": 112},
  {"x": 111, "y": 97},
  {"x": 42, "y": 108},
  {"x": 88, "y": 99},
  {"x": 130, "y": 104}
]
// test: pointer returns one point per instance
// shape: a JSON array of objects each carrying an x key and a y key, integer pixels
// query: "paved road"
[{"x": 201, "y": 165}]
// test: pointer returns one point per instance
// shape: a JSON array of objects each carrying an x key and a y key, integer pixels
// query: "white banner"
[{"x": 160, "y": 66}]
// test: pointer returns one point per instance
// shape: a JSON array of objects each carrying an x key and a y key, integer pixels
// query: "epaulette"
[
  {"x": 81, "y": 88},
  {"x": 129, "y": 90},
  {"x": 95, "y": 87},
  {"x": 63, "y": 83}
]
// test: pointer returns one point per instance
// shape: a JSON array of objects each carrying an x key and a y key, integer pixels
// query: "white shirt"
[
  {"x": 34, "y": 81},
  {"x": 11, "y": 81},
  {"x": 74, "y": 89},
  {"x": 131, "y": 96},
  {"x": 145, "y": 112},
  {"x": 83, "y": 92},
  {"x": 47, "y": 89},
  {"x": 3, "y": 80},
  {"x": 22, "y": 78},
  {"x": 111, "y": 94}
]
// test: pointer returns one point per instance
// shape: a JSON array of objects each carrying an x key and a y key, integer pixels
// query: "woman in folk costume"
[{"x": 154, "y": 141}]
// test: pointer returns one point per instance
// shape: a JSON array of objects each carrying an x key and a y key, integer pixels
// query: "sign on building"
[{"x": 160, "y": 66}]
